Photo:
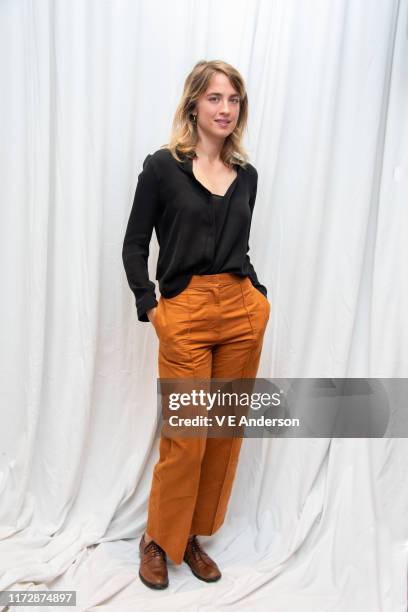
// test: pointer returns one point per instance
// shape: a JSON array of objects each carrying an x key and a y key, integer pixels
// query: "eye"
[{"x": 215, "y": 99}]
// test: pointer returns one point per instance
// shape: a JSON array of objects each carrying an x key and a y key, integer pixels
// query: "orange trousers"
[{"x": 214, "y": 328}]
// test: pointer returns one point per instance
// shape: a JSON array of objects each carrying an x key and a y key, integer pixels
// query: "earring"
[{"x": 194, "y": 118}]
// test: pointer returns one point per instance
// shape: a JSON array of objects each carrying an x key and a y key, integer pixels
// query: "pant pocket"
[
  {"x": 156, "y": 322},
  {"x": 174, "y": 318},
  {"x": 260, "y": 295},
  {"x": 259, "y": 309},
  {"x": 264, "y": 298}
]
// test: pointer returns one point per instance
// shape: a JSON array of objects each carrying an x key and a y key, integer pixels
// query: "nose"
[{"x": 225, "y": 109}]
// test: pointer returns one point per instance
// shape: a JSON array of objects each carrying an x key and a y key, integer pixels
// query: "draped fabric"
[{"x": 89, "y": 88}]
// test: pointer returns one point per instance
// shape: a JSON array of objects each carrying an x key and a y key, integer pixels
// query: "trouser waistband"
[{"x": 222, "y": 278}]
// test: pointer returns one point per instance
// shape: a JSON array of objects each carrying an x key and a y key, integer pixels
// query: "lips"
[{"x": 222, "y": 122}]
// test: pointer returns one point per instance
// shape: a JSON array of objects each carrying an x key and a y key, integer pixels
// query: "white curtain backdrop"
[{"x": 88, "y": 89}]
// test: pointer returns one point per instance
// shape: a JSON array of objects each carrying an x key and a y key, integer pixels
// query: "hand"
[{"x": 151, "y": 316}]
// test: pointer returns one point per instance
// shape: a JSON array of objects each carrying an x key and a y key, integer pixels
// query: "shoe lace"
[
  {"x": 155, "y": 549},
  {"x": 195, "y": 547}
]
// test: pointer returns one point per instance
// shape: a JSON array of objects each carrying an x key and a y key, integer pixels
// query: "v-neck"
[{"x": 189, "y": 163}]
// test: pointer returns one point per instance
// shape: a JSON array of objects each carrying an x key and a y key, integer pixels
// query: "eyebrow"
[{"x": 216, "y": 93}]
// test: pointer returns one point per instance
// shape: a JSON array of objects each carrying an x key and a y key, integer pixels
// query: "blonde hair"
[{"x": 184, "y": 136}]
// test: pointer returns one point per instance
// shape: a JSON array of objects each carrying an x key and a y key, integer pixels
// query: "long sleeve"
[
  {"x": 251, "y": 271},
  {"x": 135, "y": 251}
]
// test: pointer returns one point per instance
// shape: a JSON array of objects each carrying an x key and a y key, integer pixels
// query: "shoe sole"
[
  {"x": 151, "y": 585},
  {"x": 200, "y": 577}
]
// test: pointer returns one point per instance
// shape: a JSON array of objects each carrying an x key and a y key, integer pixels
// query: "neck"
[{"x": 209, "y": 149}]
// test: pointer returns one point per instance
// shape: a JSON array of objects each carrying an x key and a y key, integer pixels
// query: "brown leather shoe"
[
  {"x": 153, "y": 565},
  {"x": 202, "y": 566}
]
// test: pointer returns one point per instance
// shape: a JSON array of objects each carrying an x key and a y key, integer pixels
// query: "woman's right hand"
[{"x": 151, "y": 315}]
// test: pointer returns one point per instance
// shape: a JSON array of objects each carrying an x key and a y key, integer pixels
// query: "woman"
[{"x": 198, "y": 193}]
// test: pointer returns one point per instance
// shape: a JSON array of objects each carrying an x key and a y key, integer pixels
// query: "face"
[{"x": 218, "y": 107}]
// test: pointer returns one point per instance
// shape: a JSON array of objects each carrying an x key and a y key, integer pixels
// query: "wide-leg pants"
[{"x": 214, "y": 328}]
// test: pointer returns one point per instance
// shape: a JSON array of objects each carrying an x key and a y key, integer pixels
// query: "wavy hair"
[{"x": 184, "y": 135}]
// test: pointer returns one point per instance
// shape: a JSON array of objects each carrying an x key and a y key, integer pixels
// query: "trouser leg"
[
  {"x": 237, "y": 358},
  {"x": 176, "y": 475}
]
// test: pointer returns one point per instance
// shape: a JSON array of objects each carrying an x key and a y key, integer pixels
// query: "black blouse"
[{"x": 198, "y": 232}]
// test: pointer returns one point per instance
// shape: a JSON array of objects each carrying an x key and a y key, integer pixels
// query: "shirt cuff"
[{"x": 143, "y": 305}]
